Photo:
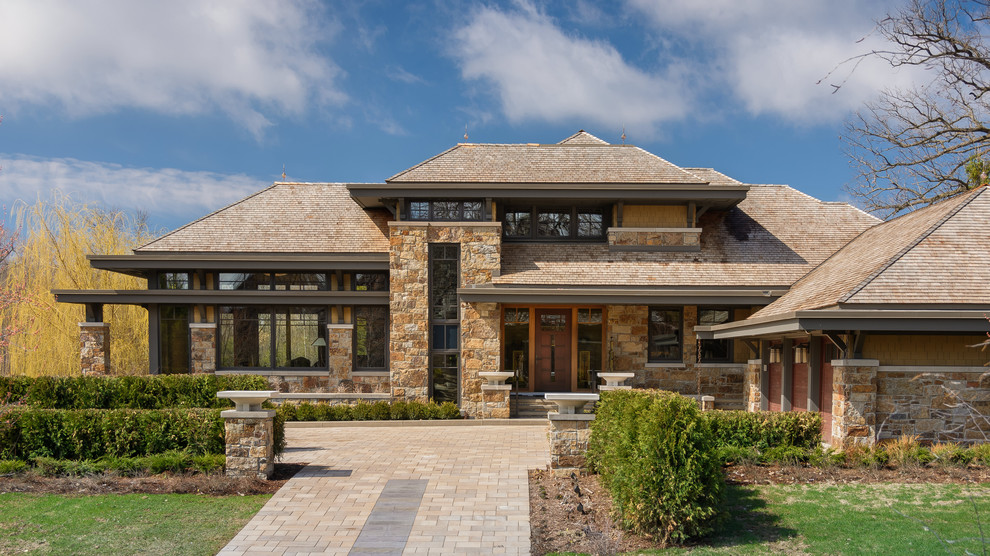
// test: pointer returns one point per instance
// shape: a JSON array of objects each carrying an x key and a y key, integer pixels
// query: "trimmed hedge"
[
  {"x": 130, "y": 392},
  {"x": 655, "y": 453},
  {"x": 765, "y": 429},
  {"x": 86, "y": 434},
  {"x": 363, "y": 411}
]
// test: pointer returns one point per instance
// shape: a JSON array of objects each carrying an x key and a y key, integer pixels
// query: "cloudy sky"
[{"x": 178, "y": 108}]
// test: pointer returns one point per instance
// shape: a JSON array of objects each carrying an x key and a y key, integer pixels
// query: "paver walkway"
[{"x": 476, "y": 496}]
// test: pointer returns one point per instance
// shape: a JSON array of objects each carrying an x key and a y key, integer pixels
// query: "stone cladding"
[
  {"x": 938, "y": 404},
  {"x": 339, "y": 347},
  {"x": 854, "y": 395},
  {"x": 655, "y": 239},
  {"x": 628, "y": 334},
  {"x": 480, "y": 261},
  {"x": 569, "y": 436},
  {"x": 250, "y": 443},
  {"x": 751, "y": 385},
  {"x": 94, "y": 348},
  {"x": 203, "y": 347}
]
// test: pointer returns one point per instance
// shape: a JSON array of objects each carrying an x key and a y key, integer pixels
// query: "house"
[{"x": 554, "y": 262}]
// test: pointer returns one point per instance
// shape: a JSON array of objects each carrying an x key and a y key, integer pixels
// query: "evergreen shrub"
[{"x": 766, "y": 429}]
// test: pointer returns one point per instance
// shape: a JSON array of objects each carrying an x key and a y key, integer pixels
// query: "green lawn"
[
  {"x": 853, "y": 519},
  {"x": 122, "y": 524}
]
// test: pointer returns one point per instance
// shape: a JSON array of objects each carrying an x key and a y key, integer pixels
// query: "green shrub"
[
  {"x": 737, "y": 455},
  {"x": 126, "y": 392},
  {"x": 175, "y": 461},
  {"x": 209, "y": 463},
  {"x": 766, "y": 429},
  {"x": 982, "y": 453},
  {"x": 655, "y": 453},
  {"x": 364, "y": 411},
  {"x": 826, "y": 457},
  {"x": 11, "y": 466},
  {"x": 787, "y": 455}
]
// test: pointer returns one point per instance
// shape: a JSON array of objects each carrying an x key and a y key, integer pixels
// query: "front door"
[{"x": 553, "y": 350}]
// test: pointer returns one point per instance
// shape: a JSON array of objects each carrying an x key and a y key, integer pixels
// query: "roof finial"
[
  {"x": 283, "y": 172},
  {"x": 465, "y": 132},
  {"x": 623, "y": 136}
]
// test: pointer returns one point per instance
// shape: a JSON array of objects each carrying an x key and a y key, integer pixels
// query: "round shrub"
[{"x": 655, "y": 452}]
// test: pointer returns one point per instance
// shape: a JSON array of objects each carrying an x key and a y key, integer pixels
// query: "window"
[
  {"x": 279, "y": 281},
  {"x": 589, "y": 336},
  {"x": 665, "y": 334},
  {"x": 554, "y": 223},
  {"x": 173, "y": 280},
  {"x": 173, "y": 334},
  {"x": 444, "y": 322},
  {"x": 516, "y": 343},
  {"x": 370, "y": 338},
  {"x": 272, "y": 337},
  {"x": 447, "y": 211},
  {"x": 370, "y": 281},
  {"x": 300, "y": 281},
  {"x": 714, "y": 351},
  {"x": 245, "y": 281}
]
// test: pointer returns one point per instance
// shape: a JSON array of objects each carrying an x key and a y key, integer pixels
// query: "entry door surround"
[{"x": 553, "y": 350}]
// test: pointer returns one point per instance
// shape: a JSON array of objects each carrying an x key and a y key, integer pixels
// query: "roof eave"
[{"x": 869, "y": 320}]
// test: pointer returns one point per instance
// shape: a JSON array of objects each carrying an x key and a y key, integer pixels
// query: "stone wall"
[
  {"x": 854, "y": 394},
  {"x": 480, "y": 261},
  {"x": 751, "y": 385},
  {"x": 339, "y": 348},
  {"x": 569, "y": 436},
  {"x": 203, "y": 347},
  {"x": 249, "y": 436},
  {"x": 94, "y": 348},
  {"x": 938, "y": 404},
  {"x": 654, "y": 239},
  {"x": 628, "y": 335}
]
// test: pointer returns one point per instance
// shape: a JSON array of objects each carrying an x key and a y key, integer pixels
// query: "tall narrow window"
[
  {"x": 444, "y": 322},
  {"x": 173, "y": 339},
  {"x": 517, "y": 345},
  {"x": 370, "y": 337},
  {"x": 589, "y": 330},
  {"x": 665, "y": 334}
]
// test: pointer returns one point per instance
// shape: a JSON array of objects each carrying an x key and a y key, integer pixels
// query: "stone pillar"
[
  {"x": 569, "y": 434},
  {"x": 751, "y": 385},
  {"x": 94, "y": 348},
  {"x": 340, "y": 354},
  {"x": 495, "y": 401},
  {"x": 409, "y": 306},
  {"x": 203, "y": 347},
  {"x": 854, "y": 401},
  {"x": 250, "y": 439},
  {"x": 480, "y": 351}
]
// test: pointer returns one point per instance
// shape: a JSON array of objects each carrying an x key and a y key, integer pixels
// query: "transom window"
[
  {"x": 267, "y": 281},
  {"x": 714, "y": 351},
  {"x": 554, "y": 223},
  {"x": 449, "y": 211},
  {"x": 370, "y": 281},
  {"x": 173, "y": 280}
]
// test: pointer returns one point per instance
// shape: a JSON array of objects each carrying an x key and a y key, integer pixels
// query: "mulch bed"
[
  {"x": 166, "y": 483},
  {"x": 572, "y": 513}
]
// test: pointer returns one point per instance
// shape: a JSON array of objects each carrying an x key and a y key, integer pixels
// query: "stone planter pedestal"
[
  {"x": 249, "y": 434},
  {"x": 495, "y": 395},
  {"x": 570, "y": 429},
  {"x": 615, "y": 381}
]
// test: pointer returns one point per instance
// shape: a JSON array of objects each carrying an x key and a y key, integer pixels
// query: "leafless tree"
[{"x": 917, "y": 146}]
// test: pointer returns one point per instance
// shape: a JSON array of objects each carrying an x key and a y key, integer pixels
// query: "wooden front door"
[{"x": 553, "y": 350}]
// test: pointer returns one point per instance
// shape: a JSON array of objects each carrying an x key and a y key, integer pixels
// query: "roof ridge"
[
  {"x": 581, "y": 132},
  {"x": 432, "y": 158},
  {"x": 219, "y": 210},
  {"x": 911, "y": 245},
  {"x": 662, "y": 159}
]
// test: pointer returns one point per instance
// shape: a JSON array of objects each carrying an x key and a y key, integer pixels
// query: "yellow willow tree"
[{"x": 54, "y": 238}]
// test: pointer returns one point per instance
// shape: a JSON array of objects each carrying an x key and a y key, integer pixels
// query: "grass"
[
  {"x": 852, "y": 519},
  {"x": 122, "y": 524}
]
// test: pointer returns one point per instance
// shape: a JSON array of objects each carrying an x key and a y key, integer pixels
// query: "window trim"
[{"x": 649, "y": 333}]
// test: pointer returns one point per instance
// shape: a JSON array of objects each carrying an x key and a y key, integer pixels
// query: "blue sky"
[{"x": 178, "y": 108}]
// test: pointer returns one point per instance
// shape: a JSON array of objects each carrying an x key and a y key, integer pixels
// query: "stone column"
[
  {"x": 854, "y": 401},
  {"x": 250, "y": 439},
  {"x": 409, "y": 315},
  {"x": 340, "y": 354},
  {"x": 94, "y": 348},
  {"x": 569, "y": 434},
  {"x": 203, "y": 347},
  {"x": 751, "y": 385}
]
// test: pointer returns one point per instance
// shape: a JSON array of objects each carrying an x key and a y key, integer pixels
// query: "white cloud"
[
  {"x": 541, "y": 73},
  {"x": 251, "y": 59},
  {"x": 770, "y": 54},
  {"x": 167, "y": 195}
]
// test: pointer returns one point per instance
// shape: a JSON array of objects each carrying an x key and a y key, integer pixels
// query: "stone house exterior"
[{"x": 554, "y": 262}]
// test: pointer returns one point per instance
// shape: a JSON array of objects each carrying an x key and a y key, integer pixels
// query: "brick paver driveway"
[{"x": 401, "y": 489}]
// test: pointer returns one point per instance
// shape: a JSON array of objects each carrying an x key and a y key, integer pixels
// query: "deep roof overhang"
[
  {"x": 220, "y": 297},
  {"x": 869, "y": 320},
  {"x": 719, "y": 197},
  {"x": 143, "y": 264},
  {"x": 620, "y": 296}
]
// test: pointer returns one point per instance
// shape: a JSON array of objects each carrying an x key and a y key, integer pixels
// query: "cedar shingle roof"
[
  {"x": 937, "y": 254},
  {"x": 286, "y": 217},
  {"x": 581, "y": 158},
  {"x": 773, "y": 237}
]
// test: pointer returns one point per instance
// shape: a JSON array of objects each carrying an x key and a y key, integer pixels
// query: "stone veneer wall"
[
  {"x": 94, "y": 348},
  {"x": 938, "y": 404},
  {"x": 751, "y": 385},
  {"x": 339, "y": 356},
  {"x": 681, "y": 239},
  {"x": 481, "y": 245},
  {"x": 854, "y": 395},
  {"x": 250, "y": 443},
  {"x": 203, "y": 347},
  {"x": 628, "y": 335},
  {"x": 569, "y": 436}
]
